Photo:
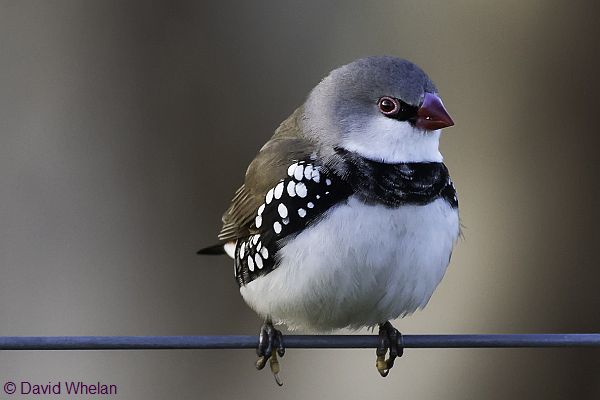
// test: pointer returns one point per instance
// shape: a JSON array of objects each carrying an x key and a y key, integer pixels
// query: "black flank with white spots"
[{"x": 292, "y": 205}]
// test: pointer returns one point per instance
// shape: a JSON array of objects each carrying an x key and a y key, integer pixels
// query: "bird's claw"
[
  {"x": 270, "y": 339},
  {"x": 388, "y": 340}
]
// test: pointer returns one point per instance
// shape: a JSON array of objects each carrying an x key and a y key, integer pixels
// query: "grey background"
[{"x": 125, "y": 128}]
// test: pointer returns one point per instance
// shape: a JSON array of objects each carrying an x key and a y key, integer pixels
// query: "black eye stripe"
[{"x": 401, "y": 111}]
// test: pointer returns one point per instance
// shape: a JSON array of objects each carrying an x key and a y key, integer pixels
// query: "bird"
[{"x": 347, "y": 217}]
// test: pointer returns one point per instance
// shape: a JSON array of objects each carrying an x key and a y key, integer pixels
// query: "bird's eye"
[{"x": 388, "y": 105}]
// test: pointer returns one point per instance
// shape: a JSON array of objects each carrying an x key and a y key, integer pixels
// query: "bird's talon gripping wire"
[
  {"x": 274, "y": 365},
  {"x": 268, "y": 340},
  {"x": 388, "y": 340}
]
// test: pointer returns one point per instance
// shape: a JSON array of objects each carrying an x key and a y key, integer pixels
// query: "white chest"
[{"x": 359, "y": 266}]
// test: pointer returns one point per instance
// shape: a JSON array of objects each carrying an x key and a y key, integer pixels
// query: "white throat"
[{"x": 391, "y": 141}]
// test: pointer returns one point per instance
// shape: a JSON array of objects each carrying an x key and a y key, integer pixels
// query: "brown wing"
[{"x": 268, "y": 168}]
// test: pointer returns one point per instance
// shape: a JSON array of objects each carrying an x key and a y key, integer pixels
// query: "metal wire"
[{"x": 293, "y": 341}]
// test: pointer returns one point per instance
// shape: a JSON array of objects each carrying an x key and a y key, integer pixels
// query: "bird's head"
[{"x": 383, "y": 108}]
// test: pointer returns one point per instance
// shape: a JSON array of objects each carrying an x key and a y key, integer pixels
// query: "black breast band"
[{"x": 394, "y": 185}]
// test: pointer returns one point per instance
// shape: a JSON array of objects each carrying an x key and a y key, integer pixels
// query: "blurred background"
[{"x": 126, "y": 127}]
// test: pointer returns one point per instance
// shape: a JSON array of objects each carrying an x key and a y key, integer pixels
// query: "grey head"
[{"x": 383, "y": 108}]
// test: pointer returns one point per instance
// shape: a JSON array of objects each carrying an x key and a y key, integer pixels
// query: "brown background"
[{"x": 125, "y": 128}]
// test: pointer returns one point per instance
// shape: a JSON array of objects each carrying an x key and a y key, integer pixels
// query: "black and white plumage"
[
  {"x": 292, "y": 205},
  {"x": 347, "y": 216}
]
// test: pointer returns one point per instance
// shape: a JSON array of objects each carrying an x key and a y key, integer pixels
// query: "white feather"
[
  {"x": 392, "y": 141},
  {"x": 229, "y": 248},
  {"x": 359, "y": 266}
]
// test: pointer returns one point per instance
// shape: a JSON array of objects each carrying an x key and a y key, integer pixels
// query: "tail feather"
[{"x": 216, "y": 250}]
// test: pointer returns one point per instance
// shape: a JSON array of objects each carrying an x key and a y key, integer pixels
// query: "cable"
[{"x": 293, "y": 341}]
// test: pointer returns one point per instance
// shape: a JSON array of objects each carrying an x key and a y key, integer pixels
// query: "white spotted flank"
[
  {"x": 291, "y": 188},
  {"x": 291, "y": 169},
  {"x": 264, "y": 253},
  {"x": 282, "y": 210},
  {"x": 258, "y": 260},
  {"x": 278, "y": 190},
  {"x": 316, "y": 176},
  {"x": 301, "y": 189},
  {"x": 308, "y": 171},
  {"x": 299, "y": 172},
  {"x": 269, "y": 196}
]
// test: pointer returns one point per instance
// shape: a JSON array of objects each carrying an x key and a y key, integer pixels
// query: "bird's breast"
[{"x": 359, "y": 265}]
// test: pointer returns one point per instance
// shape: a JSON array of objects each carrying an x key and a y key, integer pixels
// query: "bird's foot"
[
  {"x": 270, "y": 344},
  {"x": 388, "y": 340}
]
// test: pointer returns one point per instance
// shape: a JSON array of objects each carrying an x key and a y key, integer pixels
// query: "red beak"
[{"x": 432, "y": 115}]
